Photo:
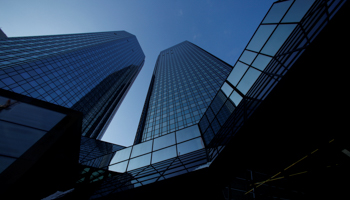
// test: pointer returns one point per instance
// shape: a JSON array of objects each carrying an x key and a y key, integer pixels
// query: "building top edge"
[{"x": 122, "y": 31}]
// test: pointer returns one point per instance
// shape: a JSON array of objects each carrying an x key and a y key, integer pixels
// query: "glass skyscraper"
[
  {"x": 184, "y": 82},
  {"x": 206, "y": 130},
  {"x": 168, "y": 142},
  {"x": 260, "y": 129},
  {"x": 89, "y": 72}
]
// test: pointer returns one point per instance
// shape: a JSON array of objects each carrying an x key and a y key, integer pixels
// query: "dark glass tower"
[
  {"x": 89, "y": 72},
  {"x": 257, "y": 123},
  {"x": 185, "y": 80}
]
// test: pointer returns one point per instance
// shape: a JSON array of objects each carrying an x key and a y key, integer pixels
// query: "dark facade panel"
[{"x": 33, "y": 133}]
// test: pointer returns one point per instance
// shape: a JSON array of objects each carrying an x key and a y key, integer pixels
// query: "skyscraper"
[
  {"x": 168, "y": 142},
  {"x": 89, "y": 72},
  {"x": 274, "y": 119},
  {"x": 184, "y": 82},
  {"x": 256, "y": 136}
]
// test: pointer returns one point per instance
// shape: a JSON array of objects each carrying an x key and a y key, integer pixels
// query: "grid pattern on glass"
[
  {"x": 186, "y": 80},
  {"x": 278, "y": 66},
  {"x": 158, "y": 170},
  {"x": 88, "y": 72},
  {"x": 279, "y": 40},
  {"x": 96, "y": 153},
  {"x": 14, "y": 51},
  {"x": 164, "y": 147}
]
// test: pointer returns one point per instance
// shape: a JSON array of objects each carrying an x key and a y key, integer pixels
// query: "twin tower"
[{"x": 207, "y": 129}]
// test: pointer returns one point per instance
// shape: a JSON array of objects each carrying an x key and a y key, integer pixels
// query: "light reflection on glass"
[
  {"x": 261, "y": 62},
  {"x": 164, "y": 154},
  {"x": 187, "y": 133},
  {"x": 237, "y": 73},
  {"x": 248, "y": 80},
  {"x": 140, "y": 161},
  {"x": 121, "y": 155},
  {"x": 278, "y": 38},
  {"x": 276, "y": 12},
  {"x": 190, "y": 146},
  {"x": 226, "y": 89},
  {"x": 298, "y": 10},
  {"x": 260, "y": 37}
]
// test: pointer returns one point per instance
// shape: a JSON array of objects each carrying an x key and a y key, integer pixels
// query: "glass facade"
[
  {"x": 151, "y": 161},
  {"x": 196, "y": 103},
  {"x": 88, "y": 72},
  {"x": 281, "y": 38},
  {"x": 37, "y": 138},
  {"x": 168, "y": 142},
  {"x": 185, "y": 80},
  {"x": 22, "y": 125},
  {"x": 188, "y": 83}
]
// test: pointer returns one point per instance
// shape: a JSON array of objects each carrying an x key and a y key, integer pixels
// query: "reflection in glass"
[
  {"x": 17, "y": 139},
  {"x": 121, "y": 155},
  {"x": 247, "y": 57},
  {"x": 29, "y": 115},
  {"x": 276, "y": 12},
  {"x": 298, "y": 10},
  {"x": 141, "y": 148},
  {"x": 248, "y": 80},
  {"x": 190, "y": 146},
  {"x": 164, "y": 141},
  {"x": 164, "y": 154},
  {"x": 139, "y": 162},
  {"x": 226, "y": 89},
  {"x": 261, "y": 62},
  {"x": 278, "y": 38},
  {"x": 236, "y": 98},
  {"x": 187, "y": 133},
  {"x": 119, "y": 167},
  {"x": 237, "y": 73},
  {"x": 260, "y": 37}
]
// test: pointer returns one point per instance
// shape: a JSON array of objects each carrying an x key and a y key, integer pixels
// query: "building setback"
[{"x": 89, "y": 72}]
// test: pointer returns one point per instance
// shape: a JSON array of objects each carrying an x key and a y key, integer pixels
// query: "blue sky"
[{"x": 221, "y": 27}]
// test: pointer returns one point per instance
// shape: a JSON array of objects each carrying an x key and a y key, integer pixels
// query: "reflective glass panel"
[
  {"x": 187, "y": 133},
  {"x": 226, "y": 89},
  {"x": 237, "y": 73},
  {"x": 139, "y": 162},
  {"x": 261, "y": 62},
  {"x": 29, "y": 115},
  {"x": 119, "y": 167},
  {"x": 190, "y": 146},
  {"x": 248, "y": 80},
  {"x": 298, "y": 10},
  {"x": 260, "y": 37},
  {"x": 16, "y": 139},
  {"x": 164, "y": 141},
  {"x": 236, "y": 98},
  {"x": 247, "y": 57},
  {"x": 141, "y": 148},
  {"x": 164, "y": 154},
  {"x": 278, "y": 38},
  {"x": 276, "y": 12},
  {"x": 121, "y": 155}
]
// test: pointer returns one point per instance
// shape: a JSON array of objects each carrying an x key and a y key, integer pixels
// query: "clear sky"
[{"x": 221, "y": 27}]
